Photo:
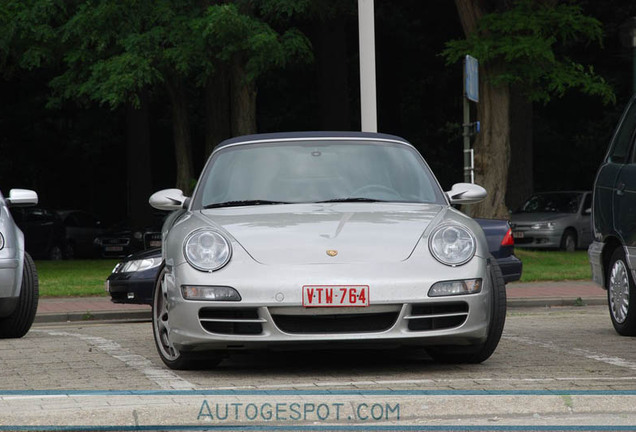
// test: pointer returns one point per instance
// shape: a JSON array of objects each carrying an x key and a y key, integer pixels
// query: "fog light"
[
  {"x": 451, "y": 288},
  {"x": 213, "y": 293}
]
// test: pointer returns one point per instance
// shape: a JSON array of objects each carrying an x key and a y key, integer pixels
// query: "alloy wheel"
[{"x": 619, "y": 291}]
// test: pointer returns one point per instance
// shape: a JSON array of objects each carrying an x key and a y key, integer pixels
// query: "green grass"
[
  {"x": 73, "y": 278},
  {"x": 86, "y": 278},
  {"x": 553, "y": 266}
]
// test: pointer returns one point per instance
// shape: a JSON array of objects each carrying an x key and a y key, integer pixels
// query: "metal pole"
[
  {"x": 366, "y": 24},
  {"x": 466, "y": 134}
]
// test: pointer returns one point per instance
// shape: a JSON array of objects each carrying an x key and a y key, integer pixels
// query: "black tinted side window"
[{"x": 624, "y": 137}]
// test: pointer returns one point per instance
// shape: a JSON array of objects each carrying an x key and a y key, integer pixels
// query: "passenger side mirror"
[
  {"x": 22, "y": 198},
  {"x": 466, "y": 193},
  {"x": 168, "y": 199}
]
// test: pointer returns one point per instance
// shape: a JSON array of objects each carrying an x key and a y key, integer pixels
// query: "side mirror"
[
  {"x": 466, "y": 193},
  {"x": 22, "y": 198},
  {"x": 587, "y": 211},
  {"x": 168, "y": 199}
]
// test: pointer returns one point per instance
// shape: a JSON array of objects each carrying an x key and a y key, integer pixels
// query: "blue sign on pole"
[{"x": 471, "y": 75}]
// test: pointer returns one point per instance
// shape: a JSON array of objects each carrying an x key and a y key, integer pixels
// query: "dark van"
[{"x": 613, "y": 252}]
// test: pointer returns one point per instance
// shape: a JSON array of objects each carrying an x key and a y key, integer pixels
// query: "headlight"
[
  {"x": 207, "y": 250},
  {"x": 543, "y": 226},
  {"x": 452, "y": 245},
  {"x": 138, "y": 265},
  {"x": 1, "y": 241}
]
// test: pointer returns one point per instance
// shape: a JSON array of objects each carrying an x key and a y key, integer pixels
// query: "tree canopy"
[{"x": 529, "y": 41}]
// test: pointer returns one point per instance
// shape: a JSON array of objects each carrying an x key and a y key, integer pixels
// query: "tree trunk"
[
  {"x": 520, "y": 176},
  {"x": 492, "y": 146},
  {"x": 243, "y": 101},
  {"x": 181, "y": 134},
  {"x": 139, "y": 174},
  {"x": 217, "y": 110}
]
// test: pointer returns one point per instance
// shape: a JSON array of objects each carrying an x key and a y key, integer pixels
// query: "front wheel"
[
  {"x": 620, "y": 292},
  {"x": 169, "y": 354},
  {"x": 19, "y": 322},
  {"x": 481, "y": 352},
  {"x": 568, "y": 241}
]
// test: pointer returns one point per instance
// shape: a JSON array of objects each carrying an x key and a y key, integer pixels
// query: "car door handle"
[{"x": 620, "y": 189}]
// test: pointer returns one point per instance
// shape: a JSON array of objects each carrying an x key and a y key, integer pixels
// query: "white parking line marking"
[
  {"x": 614, "y": 361},
  {"x": 164, "y": 378},
  {"x": 317, "y": 385}
]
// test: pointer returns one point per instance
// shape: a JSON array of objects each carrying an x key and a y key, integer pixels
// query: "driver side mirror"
[
  {"x": 466, "y": 193},
  {"x": 168, "y": 199}
]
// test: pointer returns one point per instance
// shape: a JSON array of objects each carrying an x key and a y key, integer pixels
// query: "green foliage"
[
  {"x": 27, "y": 37},
  {"x": 231, "y": 34},
  {"x": 112, "y": 49},
  {"x": 528, "y": 42}
]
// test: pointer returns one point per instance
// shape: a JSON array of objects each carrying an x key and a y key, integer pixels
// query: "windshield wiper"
[
  {"x": 351, "y": 200},
  {"x": 242, "y": 203}
]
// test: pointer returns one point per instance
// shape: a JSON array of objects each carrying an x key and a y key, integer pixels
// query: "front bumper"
[
  {"x": 271, "y": 315},
  {"x": 134, "y": 288},
  {"x": 537, "y": 239}
]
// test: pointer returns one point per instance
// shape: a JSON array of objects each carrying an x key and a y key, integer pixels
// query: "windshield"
[
  {"x": 552, "y": 203},
  {"x": 316, "y": 171}
]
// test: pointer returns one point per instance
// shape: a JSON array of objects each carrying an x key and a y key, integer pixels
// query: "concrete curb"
[
  {"x": 555, "y": 302},
  {"x": 124, "y": 315}
]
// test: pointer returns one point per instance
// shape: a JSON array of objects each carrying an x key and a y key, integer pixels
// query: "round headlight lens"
[
  {"x": 452, "y": 245},
  {"x": 207, "y": 250}
]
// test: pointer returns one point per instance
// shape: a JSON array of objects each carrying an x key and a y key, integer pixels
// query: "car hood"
[
  {"x": 304, "y": 233},
  {"x": 530, "y": 218}
]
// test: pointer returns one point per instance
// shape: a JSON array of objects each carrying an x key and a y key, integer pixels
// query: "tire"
[
  {"x": 480, "y": 353},
  {"x": 169, "y": 354},
  {"x": 19, "y": 322},
  {"x": 621, "y": 294},
  {"x": 568, "y": 241}
]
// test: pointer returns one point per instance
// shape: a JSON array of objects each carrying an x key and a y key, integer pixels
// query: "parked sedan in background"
[
  {"x": 123, "y": 241},
  {"x": 44, "y": 232},
  {"x": 557, "y": 220},
  {"x": 133, "y": 279},
  {"x": 82, "y": 228}
]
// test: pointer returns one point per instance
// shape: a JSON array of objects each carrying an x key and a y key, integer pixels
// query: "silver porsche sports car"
[{"x": 298, "y": 240}]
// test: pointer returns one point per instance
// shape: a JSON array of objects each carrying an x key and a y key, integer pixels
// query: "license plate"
[
  {"x": 335, "y": 295},
  {"x": 517, "y": 234},
  {"x": 114, "y": 248},
  {"x": 155, "y": 243}
]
